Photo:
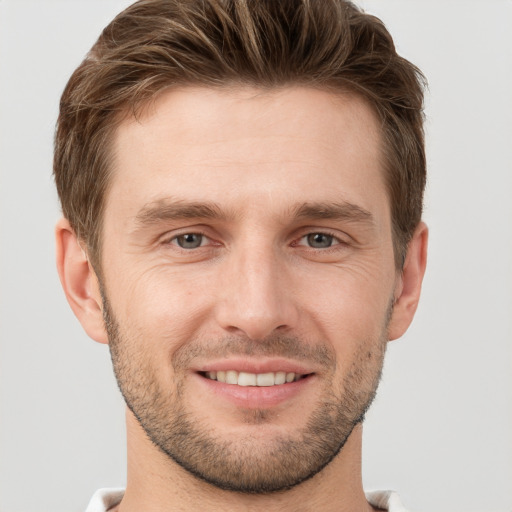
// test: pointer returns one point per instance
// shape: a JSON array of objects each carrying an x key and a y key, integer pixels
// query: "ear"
[
  {"x": 79, "y": 281},
  {"x": 408, "y": 287}
]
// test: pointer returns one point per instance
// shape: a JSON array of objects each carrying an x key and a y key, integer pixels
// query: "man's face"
[{"x": 248, "y": 278}]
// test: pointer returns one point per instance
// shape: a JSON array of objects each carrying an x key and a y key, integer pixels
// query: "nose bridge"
[{"x": 256, "y": 299}]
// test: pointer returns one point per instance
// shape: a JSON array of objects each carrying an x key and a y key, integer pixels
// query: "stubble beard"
[{"x": 246, "y": 464}]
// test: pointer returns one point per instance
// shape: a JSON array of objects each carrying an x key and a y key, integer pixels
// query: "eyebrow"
[
  {"x": 342, "y": 211},
  {"x": 166, "y": 209}
]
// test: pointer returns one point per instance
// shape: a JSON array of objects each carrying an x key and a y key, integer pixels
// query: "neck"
[{"x": 157, "y": 483}]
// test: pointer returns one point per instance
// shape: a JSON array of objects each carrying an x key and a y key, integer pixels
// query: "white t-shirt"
[{"x": 105, "y": 499}]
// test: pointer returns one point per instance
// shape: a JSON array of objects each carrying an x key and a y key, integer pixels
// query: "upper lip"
[{"x": 267, "y": 365}]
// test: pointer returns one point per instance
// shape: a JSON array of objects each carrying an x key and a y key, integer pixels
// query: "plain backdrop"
[{"x": 440, "y": 431}]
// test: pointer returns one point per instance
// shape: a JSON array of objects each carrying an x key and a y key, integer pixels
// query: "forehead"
[{"x": 244, "y": 146}]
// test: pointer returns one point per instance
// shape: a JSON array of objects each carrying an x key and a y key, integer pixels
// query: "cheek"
[
  {"x": 351, "y": 315},
  {"x": 351, "y": 298},
  {"x": 161, "y": 305}
]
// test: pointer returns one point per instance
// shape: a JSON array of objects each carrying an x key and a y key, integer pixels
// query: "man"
[{"x": 241, "y": 184}]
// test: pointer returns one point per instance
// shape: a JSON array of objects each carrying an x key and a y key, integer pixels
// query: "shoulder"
[
  {"x": 385, "y": 500},
  {"x": 104, "y": 499}
]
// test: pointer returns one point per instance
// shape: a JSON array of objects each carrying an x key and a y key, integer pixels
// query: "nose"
[{"x": 257, "y": 296}]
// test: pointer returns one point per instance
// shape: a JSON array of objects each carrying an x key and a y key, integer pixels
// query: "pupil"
[
  {"x": 320, "y": 240},
  {"x": 189, "y": 241}
]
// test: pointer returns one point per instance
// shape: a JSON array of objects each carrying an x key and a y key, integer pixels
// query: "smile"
[{"x": 253, "y": 379}]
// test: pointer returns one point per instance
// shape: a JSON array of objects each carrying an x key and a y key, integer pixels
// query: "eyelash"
[
  {"x": 296, "y": 243},
  {"x": 174, "y": 239},
  {"x": 335, "y": 242}
]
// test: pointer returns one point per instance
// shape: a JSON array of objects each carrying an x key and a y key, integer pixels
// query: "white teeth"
[
  {"x": 280, "y": 378},
  {"x": 253, "y": 379},
  {"x": 246, "y": 379},
  {"x": 231, "y": 377},
  {"x": 265, "y": 379}
]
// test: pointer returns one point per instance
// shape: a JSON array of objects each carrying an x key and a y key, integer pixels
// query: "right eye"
[
  {"x": 320, "y": 240},
  {"x": 190, "y": 240}
]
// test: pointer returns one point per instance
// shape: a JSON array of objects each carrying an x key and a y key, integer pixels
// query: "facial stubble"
[{"x": 244, "y": 463}]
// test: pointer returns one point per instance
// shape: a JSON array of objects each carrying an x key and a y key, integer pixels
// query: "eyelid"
[
  {"x": 321, "y": 231},
  {"x": 170, "y": 238},
  {"x": 339, "y": 238},
  {"x": 203, "y": 242},
  {"x": 173, "y": 239}
]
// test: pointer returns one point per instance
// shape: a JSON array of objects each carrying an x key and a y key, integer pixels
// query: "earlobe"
[
  {"x": 79, "y": 281},
  {"x": 408, "y": 288}
]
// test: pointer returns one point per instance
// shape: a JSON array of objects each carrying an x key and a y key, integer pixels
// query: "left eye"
[
  {"x": 320, "y": 240},
  {"x": 190, "y": 240}
]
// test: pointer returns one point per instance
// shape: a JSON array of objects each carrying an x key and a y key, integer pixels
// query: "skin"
[{"x": 272, "y": 172}]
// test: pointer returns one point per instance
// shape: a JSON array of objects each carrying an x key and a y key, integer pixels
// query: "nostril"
[{"x": 259, "y": 320}]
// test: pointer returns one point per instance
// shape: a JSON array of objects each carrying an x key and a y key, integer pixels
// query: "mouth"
[
  {"x": 246, "y": 379},
  {"x": 255, "y": 384}
]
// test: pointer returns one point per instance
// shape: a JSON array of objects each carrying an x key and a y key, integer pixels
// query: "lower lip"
[{"x": 255, "y": 397}]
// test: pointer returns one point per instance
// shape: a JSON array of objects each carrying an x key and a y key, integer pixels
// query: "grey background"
[{"x": 440, "y": 431}]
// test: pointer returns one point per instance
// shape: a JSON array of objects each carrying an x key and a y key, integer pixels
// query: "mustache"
[{"x": 290, "y": 347}]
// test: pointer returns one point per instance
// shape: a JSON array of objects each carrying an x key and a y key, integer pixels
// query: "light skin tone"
[{"x": 244, "y": 231}]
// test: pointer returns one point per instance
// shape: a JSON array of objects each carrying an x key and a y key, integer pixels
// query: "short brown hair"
[{"x": 156, "y": 44}]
